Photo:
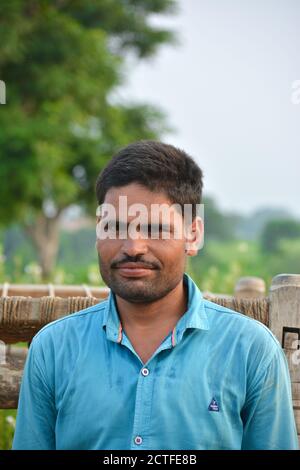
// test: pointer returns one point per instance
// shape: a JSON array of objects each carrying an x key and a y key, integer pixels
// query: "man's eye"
[
  {"x": 153, "y": 230},
  {"x": 160, "y": 231}
]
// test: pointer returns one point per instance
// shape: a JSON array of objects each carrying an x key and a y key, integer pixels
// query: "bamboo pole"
[
  {"x": 22, "y": 317},
  {"x": 43, "y": 290}
]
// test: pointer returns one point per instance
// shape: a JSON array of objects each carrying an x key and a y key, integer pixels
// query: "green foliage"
[
  {"x": 287, "y": 258},
  {"x": 277, "y": 230},
  {"x": 219, "y": 265},
  {"x": 7, "y": 426},
  {"x": 250, "y": 227},
  {"x": 218, "y": 226},
  {"x": 62, "y": 63}
]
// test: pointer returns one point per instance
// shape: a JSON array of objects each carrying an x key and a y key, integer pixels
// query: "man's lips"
[{"x": 134, "y": 269}]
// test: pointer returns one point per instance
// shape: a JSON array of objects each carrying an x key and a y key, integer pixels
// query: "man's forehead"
[
  {"x": 136, "y": 193},
  {"x": 124, "y": 212}
]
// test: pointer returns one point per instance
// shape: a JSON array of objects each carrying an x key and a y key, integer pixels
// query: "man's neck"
[{"x": 162, "y": 314}]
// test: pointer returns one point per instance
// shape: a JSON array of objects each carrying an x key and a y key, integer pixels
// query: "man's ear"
[{"x": 194, "y": 237}]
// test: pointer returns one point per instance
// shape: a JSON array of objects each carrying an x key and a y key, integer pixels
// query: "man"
[{"x": 155, "y": 366}]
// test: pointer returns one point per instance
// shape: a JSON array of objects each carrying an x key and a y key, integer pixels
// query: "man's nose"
[{"x": 135, "y": 246}]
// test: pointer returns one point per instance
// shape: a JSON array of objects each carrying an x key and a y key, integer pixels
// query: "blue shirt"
[{"x": 219, "y": 381}]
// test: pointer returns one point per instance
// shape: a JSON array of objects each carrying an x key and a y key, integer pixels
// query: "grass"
[{"x": 7, "y": 420}]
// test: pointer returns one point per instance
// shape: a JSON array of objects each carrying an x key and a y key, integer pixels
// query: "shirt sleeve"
[
  {"x": 268, "y": 416},
  {"x": 36, "y": 416}
]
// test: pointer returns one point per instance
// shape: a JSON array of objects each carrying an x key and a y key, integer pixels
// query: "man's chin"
[{"x": 136, "y": 291}]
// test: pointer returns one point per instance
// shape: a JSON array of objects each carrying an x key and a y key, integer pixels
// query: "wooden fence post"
[
  {"x": 250, "y": 287},
  {"x": 11, "y": 371},
  {"x": 284, "y": 322}
]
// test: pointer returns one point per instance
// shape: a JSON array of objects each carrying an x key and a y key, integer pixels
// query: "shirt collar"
[{"x": 194, "y": 317}]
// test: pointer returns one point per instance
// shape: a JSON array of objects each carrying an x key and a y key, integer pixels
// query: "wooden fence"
[{"x": 24, "y": 310}]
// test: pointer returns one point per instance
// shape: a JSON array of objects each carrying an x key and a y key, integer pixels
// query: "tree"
[
  {"x": 62, "y": 61},
  {"x": 277, "y": 230},
  {"x": 218, "y": 225}
]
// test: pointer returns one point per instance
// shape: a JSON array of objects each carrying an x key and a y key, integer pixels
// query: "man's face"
[{"x": 136, "y": 268}]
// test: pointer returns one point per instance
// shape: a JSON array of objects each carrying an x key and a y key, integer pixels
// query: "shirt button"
[
  {"x": 145, "y": 372},
  {"x": 138, "y": 440}
]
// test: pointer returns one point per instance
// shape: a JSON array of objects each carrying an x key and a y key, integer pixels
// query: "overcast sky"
[{"x": 227, "y": 91}]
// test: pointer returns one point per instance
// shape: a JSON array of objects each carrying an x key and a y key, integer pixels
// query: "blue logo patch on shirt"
[{"x": 213, "y": 406}]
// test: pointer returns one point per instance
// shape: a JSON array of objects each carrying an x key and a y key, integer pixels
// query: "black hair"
[{"x": 158, "y": 167}]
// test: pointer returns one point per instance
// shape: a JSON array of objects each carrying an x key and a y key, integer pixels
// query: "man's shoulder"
[
  {"x": 236, "y": 324},
  {"x": 77, "y": 321}
]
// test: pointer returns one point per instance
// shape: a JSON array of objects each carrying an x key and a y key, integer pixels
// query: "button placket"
[{"x": 143, "y": 405}]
